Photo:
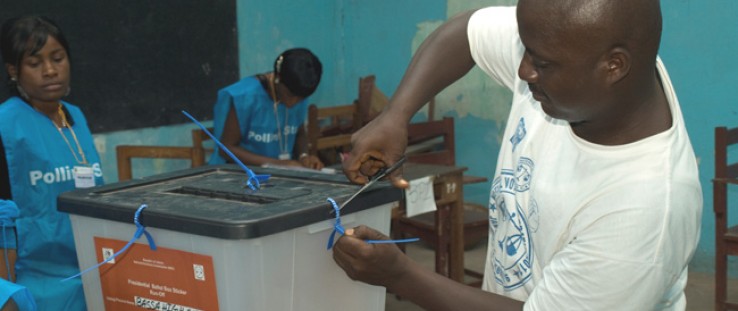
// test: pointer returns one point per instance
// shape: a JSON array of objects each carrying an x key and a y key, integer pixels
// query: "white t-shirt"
[{"x": 576, "y": 225}]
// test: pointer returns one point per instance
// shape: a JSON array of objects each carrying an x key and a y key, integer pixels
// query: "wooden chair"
[
  {"x": 124, "y": 154},
  {"x": 196, "y": 154},
  {"x": 726, "y": 235},
  {"x": 432, "y": 142},
  {"x": 372, "y": 100},
  {"x": 329, "y": 131},
  {"x": 200, "y": 151},
  {"x": 438, "y": 147}
]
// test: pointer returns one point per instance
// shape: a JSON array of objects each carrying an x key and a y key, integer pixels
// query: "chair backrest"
[
  {"x": 200, "y": 152},
  {"x": 196, "y": 154},
  {"x": 329, "y": 130},
  {"x": 726, "y": 233},
  {"x": 432, "y": 142},
  {"x": 124, "y": 154},
  {"x": 725, "y": 172},
  {"x": 371, "y": 100},
  {"x": 724, "y": 139}
]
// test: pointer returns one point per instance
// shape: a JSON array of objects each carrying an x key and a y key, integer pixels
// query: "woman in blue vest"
[
  {"x": 260, "y": 118},
  {"x": 46, "y": 149}
]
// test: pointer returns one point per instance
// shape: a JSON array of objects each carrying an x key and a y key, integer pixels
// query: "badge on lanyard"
[
  {"x": 84, "y": 177},
  {"x": 284, "y": 156}
]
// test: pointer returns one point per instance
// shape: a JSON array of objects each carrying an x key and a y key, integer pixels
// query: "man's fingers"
[
  {"x": 366, "y": 233},
  {"x": 398, "y": 181},
  {"x": 351, "y": 169},
  {"x": 358, "y": 170}
]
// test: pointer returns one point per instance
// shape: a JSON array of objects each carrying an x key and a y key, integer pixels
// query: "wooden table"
[{"x": 449, "y": 195}]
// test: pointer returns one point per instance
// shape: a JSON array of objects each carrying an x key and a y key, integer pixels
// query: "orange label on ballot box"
[{"x": 164, "y": 279}]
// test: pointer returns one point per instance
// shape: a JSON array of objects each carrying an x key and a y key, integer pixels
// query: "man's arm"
[
  {"x": 385, "y": 265},
  {"x": 443, "y": 58}
]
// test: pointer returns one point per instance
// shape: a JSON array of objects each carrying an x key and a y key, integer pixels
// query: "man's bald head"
[
  {"x": 593, "y": 63},
  {"x": 601, "y": 24}
]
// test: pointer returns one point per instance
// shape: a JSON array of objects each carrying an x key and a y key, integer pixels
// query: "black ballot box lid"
[{"x": 215, "y": 201}]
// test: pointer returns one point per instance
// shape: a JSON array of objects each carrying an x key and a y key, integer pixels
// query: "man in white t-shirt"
[{"x": 595, "y": 202}]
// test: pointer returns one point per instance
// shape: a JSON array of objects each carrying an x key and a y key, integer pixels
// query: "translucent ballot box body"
[{"x": 220, "y": 245}]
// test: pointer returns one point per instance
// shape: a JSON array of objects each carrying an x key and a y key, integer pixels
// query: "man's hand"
[
  {"x": 376, "y": 264},
  {"x": 379, "y": 144}
]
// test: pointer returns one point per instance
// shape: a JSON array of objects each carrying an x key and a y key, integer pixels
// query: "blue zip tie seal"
[
  {"x": 338, "y": 228},
  {"x": 140, "y": 229},
  {"x": 254, "y": 180}
]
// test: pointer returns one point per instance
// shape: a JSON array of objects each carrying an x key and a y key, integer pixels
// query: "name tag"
[{"x": 84, "y": 177}]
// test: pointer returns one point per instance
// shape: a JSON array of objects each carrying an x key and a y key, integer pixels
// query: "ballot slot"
[
  {"x": 225, "y": 195},
  {"x": 228, "y": 185},
  {"x": 215, "y": 201}
]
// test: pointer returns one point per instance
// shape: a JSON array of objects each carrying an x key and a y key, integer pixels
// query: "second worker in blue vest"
[{"x": 259, "y": 117}]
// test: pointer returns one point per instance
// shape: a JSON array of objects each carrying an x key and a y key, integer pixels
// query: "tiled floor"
[{"x": 700, "y": 292}]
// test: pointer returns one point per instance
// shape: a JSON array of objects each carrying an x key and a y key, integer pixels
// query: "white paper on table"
[{"x": 419, "y": 197}]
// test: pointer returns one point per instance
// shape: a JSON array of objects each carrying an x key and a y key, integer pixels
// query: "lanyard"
[
  {"x": 74, "y": 136},
  {"x": 282, "y": 142}
]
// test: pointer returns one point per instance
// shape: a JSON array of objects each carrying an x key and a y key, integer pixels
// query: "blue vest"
[
  {"x": 256, "y": 118},
  {"x": 40, "y": 166}
]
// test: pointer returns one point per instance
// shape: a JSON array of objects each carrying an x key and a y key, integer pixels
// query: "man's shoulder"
[{"x": 496, "y": 14}]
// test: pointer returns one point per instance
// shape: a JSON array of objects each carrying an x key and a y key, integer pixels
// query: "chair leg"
[
  {"x": 721, "y": 280},
  {"x": 443, "y": 240}
]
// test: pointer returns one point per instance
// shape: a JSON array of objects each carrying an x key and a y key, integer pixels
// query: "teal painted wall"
[
  {"x": 354, "y": 38},
  {"x": 699, "y": 46}
]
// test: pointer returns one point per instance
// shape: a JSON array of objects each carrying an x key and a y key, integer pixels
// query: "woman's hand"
[
  {"x": 288, "y": 163},
  {"x": 311, "y": 161}
]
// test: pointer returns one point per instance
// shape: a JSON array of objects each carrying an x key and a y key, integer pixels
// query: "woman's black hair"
[
  {"x": 27, "y": 35},
  {"x": 299, "y": 70}
]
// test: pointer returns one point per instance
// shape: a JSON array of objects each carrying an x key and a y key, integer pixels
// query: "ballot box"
[{"x": 220, "y": 245}]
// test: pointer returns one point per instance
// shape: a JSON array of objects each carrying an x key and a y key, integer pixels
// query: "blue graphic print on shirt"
[
  {"x": 513, "y": 251},
  {"x": 519, "y": 133}
]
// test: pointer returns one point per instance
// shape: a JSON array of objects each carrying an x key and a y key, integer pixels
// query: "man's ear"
[
  {"x": 617, "y": 65},
  {"x": 12, "y": 71}
]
